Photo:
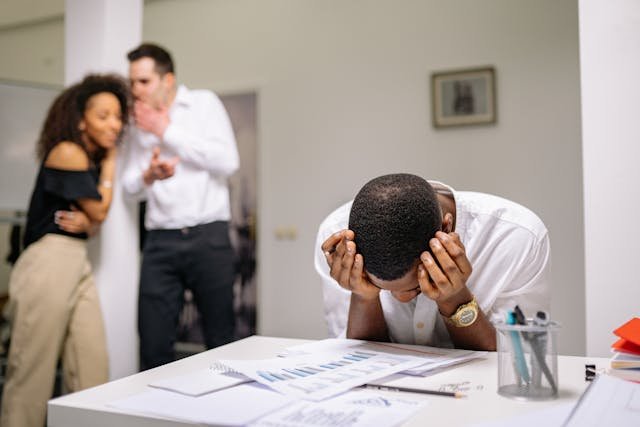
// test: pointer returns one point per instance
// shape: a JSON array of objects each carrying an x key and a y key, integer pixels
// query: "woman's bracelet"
[{"x": 106, "y": 184}]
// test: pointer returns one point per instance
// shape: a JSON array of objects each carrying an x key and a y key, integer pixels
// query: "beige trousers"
[{"x": 54, "y": 311}]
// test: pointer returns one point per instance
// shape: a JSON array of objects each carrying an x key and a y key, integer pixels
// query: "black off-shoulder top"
[{"x": 58, "y": 189}]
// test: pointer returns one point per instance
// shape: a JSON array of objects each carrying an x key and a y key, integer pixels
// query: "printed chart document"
[
  {"x": 434, "y": 359},
  {"x": 235, "y": 406},
  {"x": 322, "y": 375},
  {"x": 352, "y": 409},
  {"x": 200, "y": 382},
  {"x": 608, "y": 401}
]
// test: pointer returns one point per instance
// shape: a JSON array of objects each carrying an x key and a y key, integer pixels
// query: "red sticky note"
[
  {"x": 630, "y": 331},
  {"x": 626, "y": 346}
]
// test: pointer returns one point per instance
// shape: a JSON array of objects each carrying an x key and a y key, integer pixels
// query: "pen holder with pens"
[{"x": 527, "y": 360}]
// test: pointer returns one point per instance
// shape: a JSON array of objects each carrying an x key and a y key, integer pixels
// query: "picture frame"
[{"x": 463, "y": 97}]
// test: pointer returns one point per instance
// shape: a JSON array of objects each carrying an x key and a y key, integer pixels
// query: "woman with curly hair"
[{"x": 53, "y": 303}]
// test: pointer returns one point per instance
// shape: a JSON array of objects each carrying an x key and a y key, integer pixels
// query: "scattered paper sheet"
[
  {"x": 323, "y": 375},
  {"x": 352, "y": 409},
  {"x": 233, "y": 406},
  {"x": 434, "y": 359},
  {"x": 553, "y": 416},
  {"x": 200, "y": 382},
  {"x": 608, "y": 401}
]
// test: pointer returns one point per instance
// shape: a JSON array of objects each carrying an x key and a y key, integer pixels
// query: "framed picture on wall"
[{"x": 463, "y": 97}]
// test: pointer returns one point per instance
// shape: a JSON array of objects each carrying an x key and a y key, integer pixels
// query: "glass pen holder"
[{"x": 527, "y": 361}]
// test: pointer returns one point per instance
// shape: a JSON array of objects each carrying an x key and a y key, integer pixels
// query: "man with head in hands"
[{"x": 417, "y": 262}]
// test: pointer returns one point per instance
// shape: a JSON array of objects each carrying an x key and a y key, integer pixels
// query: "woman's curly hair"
[{"x": 67, "y": 110}]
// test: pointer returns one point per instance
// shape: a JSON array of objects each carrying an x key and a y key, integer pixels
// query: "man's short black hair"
[
  {"x": 393, "y": 218},
  {"x": 161, "y": 57}
]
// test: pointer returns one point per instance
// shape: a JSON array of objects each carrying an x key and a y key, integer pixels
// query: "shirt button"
[{"x": 419, "y": 325}]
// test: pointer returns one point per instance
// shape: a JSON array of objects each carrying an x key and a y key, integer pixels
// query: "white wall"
[
  {"x": 344, "y": 96},
  {"x": 610, "y": 66},
  {"x": 116, "y": 27},
  {"x": 33, "y": 52}
]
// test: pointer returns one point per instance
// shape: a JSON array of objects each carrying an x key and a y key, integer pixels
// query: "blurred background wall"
[{"x": 343, "y": 96}]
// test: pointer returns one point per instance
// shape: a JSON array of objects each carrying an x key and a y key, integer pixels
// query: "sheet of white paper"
[
  {"x": 553, "y": 416},
  {"x": 323, "y": 375},
  {"x": 351, "y": 409},
  {"x": 200, "y": 382},
  {"x": 233, "y": 406},
  {"x": 329, "y": 344},
  {"x": 608, "y": 401},
  {"x": 433, "y": 358}
]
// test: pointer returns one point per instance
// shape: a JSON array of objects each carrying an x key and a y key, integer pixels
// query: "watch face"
[{"x": 467, "y": 316}]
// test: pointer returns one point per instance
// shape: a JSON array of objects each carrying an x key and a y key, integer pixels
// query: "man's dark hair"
[
  {"x": 393, "y": 218},
  {"x": 161, "y": 57}
]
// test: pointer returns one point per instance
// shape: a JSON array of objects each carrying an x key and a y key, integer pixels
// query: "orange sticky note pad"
[
  {"x": 630, "y": 331},
  {"x": 626, "y": 346}
]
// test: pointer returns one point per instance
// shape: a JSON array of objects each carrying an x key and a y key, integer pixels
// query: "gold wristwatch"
[{"x": 465, "y": 315}]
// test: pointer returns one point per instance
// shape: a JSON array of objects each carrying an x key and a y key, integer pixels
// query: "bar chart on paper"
[
  {"x": 433, "y": 358},
  {"x": 320, "y": 376}
]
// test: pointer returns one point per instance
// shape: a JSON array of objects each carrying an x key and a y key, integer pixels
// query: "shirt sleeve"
[
  {"x": 70, "y": 185},
  {"x": 210, "y": 145},
  {"x": 528, "y": 284},
  {"x": 336, "y": 299}
]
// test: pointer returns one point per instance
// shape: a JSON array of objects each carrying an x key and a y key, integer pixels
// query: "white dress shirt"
[
  {"x": 200, "y": 134},
  {"x": 507, "y": 245}
]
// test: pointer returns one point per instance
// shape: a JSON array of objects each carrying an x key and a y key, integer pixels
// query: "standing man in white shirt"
[
  {"x": 183, "y": 152},
  {"x": 417, "y": 262}
]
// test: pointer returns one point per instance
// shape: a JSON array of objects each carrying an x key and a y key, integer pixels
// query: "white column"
[
  {"x": 98, "y": 33},
  {"x": 609, "y": 67}
]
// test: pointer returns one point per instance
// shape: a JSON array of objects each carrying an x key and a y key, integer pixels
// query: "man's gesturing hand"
[
  {"x": 159, "y": 168},
  {"x": 347, "y": 267}
]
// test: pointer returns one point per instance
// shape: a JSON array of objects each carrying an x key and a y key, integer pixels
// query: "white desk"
[{"x": 89, "y": 407}]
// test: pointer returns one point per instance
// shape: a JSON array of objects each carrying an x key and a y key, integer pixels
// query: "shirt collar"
[{"x": 183, "y": 97}]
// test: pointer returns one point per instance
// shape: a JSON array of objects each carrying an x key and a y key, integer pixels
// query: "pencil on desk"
[{"x": 455, "y": 394}]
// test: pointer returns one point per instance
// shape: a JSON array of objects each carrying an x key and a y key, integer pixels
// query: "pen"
[
  {"x": 455, "y": 394},
  {"x": 541, "y": 319},
  {"x": 535, "y": 366},
  {"x": 518, "y": 353},
  {"x": 538, "y": 350}
]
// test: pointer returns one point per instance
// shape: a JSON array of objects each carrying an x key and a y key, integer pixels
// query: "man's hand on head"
[
  {"x": 346, "y": 266},
  {"x": 150, "y": 119},
  {"x": 444, "y": 279}
]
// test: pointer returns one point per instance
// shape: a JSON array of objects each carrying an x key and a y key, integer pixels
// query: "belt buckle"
[{"x": 184, "y": 231}]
